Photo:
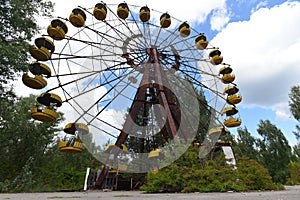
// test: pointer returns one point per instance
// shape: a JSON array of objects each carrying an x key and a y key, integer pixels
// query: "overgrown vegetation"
[
  {"x": 294, "y": 170},
  {"x": 186, "y": 175}
]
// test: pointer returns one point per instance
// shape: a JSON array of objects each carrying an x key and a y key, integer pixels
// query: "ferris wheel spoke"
[
  {"x": 108, "y": 50},
  {"x": 197, "y": 82},
  {"x": 169, "y": 37},
  {"x": 89, "y": 74},
  {"x": 148, "y": 31},
  {"x": 104, "y": 131},
  {"x": 125, "y": 24},
  {"x": 146, "y": 44},
  {"x": 189, "y": 67},
  {"x": 107, "y": 103},
  {"x": 108, "y": 44},
  {"x": 120, "y": 80},
  {"x": 187, "y": 92},
  {"x": 104, "y": 83},
  {"x": 178, "y": 42},
  {"x": 157, "y": 36},
  {"x": 86, "y": 120}
]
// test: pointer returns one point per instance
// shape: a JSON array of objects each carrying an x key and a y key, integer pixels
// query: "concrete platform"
[{"x": 290, "y": 193}]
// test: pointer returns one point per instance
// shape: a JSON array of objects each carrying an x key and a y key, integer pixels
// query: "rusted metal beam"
[
  {"x": 159, "y": 76},
  {"x": 137, "y": 103}
]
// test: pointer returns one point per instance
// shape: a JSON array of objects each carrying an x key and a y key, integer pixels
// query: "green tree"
[
  {"x": 294, "y": 102},
  {"x": 274, "y": 151},
  {"x": 23, "y": 141},
  {"x": 59, "y": 171},
  {"x": 245, "y": 145},
  {"x": 294, "y": 169},
  {"x": 17, "y": 28}
]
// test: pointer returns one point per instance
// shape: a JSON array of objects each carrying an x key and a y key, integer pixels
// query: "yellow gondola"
[
  {"x": 110, "y": 146},
  {"x": 73, "y": 128},
  {"x": 77, "y": 147},
  {"x": 43, "y": 49},
  {"x": 229, "y": 111},
  {"x": 216, "y": 57},
  {"x": 77, "y": 17},
  {"x": 36, "y": 82},
  {"x": 233, "y": 122},
  {"x": 37, "y": 68},
  {"x": 184, "y": 29},
  {"x": 231, "y": 90},
  {"x": 123, "y": 10},
  {"x": 165, "y": 20},
  {"x": 225, "y": 70},
  {"x": 57, "y": 29},
  {"x": 155, "y": 154},
  {"x": 144, "y": 14},
  {"x": 223, "y": 144},
  {"x": 218, "y": 130},
  {"x": 48, "y": 99},
  {"x": 201, "y": 42},
  {"x": 234, "y": 99},
  {"x": 43, "y": 115},
  {"x": 100, "y": 11},
  {"x": 228, "y": 78}
]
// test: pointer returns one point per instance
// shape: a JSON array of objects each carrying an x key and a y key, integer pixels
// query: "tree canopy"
[
  {"x": 246, "y": 144},
  {"x": 274, "y": 151},
  {"x": 21, "y": 137},
  {"x": 17, "y": 28},
  {"x": 294, "y": 104}
]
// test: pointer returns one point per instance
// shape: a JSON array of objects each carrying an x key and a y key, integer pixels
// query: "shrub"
[
  {"x": 294, "y": 170},
  {"x": 213, "y": 176}
]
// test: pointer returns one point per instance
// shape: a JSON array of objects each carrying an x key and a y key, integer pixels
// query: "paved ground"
[{"x": 291, "y": 193}]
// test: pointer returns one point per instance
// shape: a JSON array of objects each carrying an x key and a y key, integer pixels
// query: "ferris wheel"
[{"x": 131, "y": 75}]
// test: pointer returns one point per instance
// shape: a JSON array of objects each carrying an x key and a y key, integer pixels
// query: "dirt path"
[{"x": 291, "y": 193}]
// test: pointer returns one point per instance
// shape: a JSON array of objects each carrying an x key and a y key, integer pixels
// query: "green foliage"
[
  {"x": 187, "y": 174},
  {"x": 294, "y": 102},
  {"x": 17, "y": 28},
  {"x": 274, "y": 151},
  {"x": 296, "y": 152},
  {"x": 294, "y": 169},
  {"x": 254, "y": 176},
  {"x": 245, "y": 145},
  {"x": 24, "y": 180},
  {"x": 59, "y": 171},
  {"x": 30, "y": 159},
  {"x": 21, "y": 137}
]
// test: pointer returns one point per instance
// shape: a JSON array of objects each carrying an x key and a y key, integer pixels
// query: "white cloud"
[
  {"x": 264, "y": 55},
  {"x": 219, "y": 19},
  {"x": 282, "y": 112},
  {"x": 260, "y": 5}
]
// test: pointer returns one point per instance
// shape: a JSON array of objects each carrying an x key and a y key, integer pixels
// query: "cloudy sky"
[{"x": 258, "y": 38}]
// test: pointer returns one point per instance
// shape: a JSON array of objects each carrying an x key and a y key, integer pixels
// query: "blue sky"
[
  {"x": 269, "y": 98},
  {"x": 260, "y": 39}
]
